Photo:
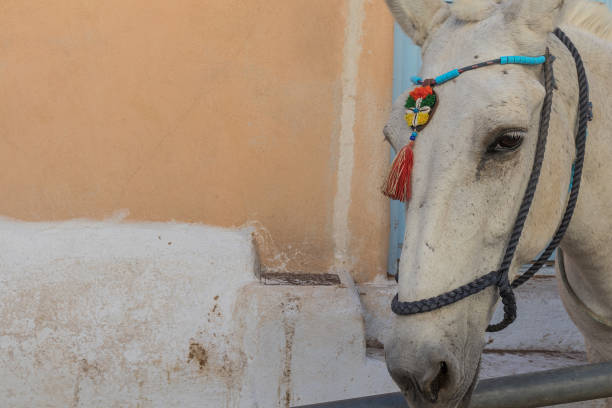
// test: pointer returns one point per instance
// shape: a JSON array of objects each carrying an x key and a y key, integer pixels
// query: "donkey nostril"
[
  {"x": 433, "y": 385},
  {"x": 423, "y": 380}
]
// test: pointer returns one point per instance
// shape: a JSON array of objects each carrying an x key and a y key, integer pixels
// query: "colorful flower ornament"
[{"x": 420, "y": 107}]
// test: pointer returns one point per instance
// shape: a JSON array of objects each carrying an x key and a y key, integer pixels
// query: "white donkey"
[{"x": 471, "y": 165}]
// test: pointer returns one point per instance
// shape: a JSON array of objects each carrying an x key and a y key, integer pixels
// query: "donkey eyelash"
[{"x": 507, "y": 140}]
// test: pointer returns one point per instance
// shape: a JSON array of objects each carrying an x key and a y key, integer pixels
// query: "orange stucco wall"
[{"x": 221, "y": 112}]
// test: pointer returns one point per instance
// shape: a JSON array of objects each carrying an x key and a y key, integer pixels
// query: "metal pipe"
[
  {"x": 545, "y": 388},
  {"x": 531, "y": 390},
  {"x": 393, "y": 400}
]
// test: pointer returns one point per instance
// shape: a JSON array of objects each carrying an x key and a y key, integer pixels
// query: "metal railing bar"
[{"x": 531, "y": 390}]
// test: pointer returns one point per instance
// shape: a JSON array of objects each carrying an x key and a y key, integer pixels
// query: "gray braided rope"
[
  {"x": 581, "y": 135},
  {"x": 500, "y": 277},
  {"x": 505, "y": 289},
  {"x": 433, "y": 303}
]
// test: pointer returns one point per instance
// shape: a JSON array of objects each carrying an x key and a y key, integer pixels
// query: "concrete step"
[{"x": 165, "y": 315}]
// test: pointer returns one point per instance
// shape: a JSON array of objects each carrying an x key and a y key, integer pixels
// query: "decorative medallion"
[{"x": 419, "y": 106}]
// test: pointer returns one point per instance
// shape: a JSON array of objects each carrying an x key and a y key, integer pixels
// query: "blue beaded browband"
[
  {"x": 420, "y": 107},
  {"x": 511, "y": 59}
]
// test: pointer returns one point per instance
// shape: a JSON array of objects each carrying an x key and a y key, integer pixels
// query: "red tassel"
[{"x": 397, "y": 186}]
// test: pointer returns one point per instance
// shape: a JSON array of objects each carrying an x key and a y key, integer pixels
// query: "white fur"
[
  {"x": 417, "y": 18},
  {"x": 473, "y": 10},
  {"x": 465, "y": 200},
  {"x": 588, "y": 15},
  {"x": 591, "y": 16}
]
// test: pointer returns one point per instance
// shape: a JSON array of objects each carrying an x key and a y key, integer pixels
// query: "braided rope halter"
[{"x": 499, "y": 277}]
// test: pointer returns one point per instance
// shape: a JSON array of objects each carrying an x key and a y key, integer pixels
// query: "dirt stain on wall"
[
  {"x": 290, "y": 311},
  {"x": 198, "y": 354}
]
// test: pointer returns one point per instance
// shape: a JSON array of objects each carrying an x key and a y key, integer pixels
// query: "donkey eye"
[{"x": 508, "y": 141}]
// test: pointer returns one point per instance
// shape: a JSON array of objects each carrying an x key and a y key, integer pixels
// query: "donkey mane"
[{"x": 590, "y": 16}]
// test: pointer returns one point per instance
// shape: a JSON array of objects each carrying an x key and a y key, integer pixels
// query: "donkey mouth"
[{"x": 417, "y": 398}]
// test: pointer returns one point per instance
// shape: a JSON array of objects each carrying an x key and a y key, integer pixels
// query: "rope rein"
[
  {"x": 499, "y": 277},
  {"x": 584, "y": 116}
]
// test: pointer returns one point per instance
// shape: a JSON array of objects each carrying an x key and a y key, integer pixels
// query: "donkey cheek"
[{"x": 497, "y": 168}]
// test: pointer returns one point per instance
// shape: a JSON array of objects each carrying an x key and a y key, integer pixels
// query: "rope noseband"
[{"x": 499, "y": 277}]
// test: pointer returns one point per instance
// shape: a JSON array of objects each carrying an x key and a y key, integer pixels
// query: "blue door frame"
[{"x": 406, "y": 62}]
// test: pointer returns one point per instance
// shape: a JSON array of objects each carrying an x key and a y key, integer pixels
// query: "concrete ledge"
[
  {"x": 168, "y": 315},
  {"x": 113, "y": 314}
]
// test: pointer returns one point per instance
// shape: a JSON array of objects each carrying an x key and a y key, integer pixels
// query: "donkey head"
[{"x": 471, "y": 166}]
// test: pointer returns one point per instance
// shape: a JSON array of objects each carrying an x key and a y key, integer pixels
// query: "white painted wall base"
[{"x": 167, "y": 315}]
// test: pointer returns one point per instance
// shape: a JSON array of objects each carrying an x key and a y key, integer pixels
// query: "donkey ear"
[
  {"x": 417, "y": 17},
  {"x": 538, "y": 16}
]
